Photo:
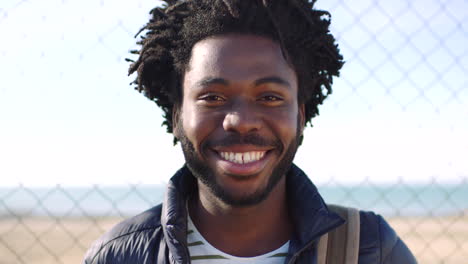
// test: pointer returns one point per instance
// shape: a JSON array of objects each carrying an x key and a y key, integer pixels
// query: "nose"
[{"x": 242, "y": 119}]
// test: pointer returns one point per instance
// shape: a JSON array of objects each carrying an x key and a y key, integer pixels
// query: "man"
[{"x": 238, "y": 81}]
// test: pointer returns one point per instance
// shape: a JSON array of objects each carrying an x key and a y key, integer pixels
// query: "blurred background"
[{"x": 80, "y": 149}]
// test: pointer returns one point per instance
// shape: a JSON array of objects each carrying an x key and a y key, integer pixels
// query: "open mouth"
[
  {"x": 242, "y": 157},
  {"x": 241, "y": 161}
]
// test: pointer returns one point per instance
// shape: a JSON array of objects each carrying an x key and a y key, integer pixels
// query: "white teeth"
[
  {"x": 238, "y": 158},
  {"x": 242, "y": 158},
  {"x": 247, "y": 157}
]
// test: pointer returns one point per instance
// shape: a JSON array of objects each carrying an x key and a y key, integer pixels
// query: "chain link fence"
[{"x": 405, "y": 59}]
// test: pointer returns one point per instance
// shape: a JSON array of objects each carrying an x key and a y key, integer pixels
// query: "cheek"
[
  {"x": 198, "y": 126},
  {"x": 285, "y": 123}
]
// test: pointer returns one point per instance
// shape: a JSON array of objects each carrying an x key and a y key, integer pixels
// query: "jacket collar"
[
  {"x": 310, "y": 215},
  {"x": 174, "y": 214}
]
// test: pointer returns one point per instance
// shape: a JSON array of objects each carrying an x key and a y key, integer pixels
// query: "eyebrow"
[
  {"x": 271, "y": 79},
  {"x": 211, "y": 81}
]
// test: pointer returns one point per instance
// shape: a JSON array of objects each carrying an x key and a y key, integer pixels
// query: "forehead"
[{"x": 237, "y": 56}]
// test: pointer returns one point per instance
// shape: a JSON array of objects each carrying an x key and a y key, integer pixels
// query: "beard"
[{"x": 207, "y": 175}]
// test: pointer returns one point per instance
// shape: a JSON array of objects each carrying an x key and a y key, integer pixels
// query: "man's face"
[{"x": 240, "y": 121}]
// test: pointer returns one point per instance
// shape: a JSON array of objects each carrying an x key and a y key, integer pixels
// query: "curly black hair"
[{"x": 173, "y": 29}]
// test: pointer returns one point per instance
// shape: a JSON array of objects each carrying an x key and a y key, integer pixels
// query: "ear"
[
  {"x": 300, "y": 123},
  {"x": 176, "y": 121},
  {"x": 302, "y": 117}
]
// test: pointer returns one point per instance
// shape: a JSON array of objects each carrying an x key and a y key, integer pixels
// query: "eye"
[
  {"x": 271, "y": 98},
  {"x": 211, "y": 98}
]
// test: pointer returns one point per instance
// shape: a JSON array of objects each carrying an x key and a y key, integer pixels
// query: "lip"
[
  {"x": 241, "y": 148},
  {"x": 245, "y": 169}
]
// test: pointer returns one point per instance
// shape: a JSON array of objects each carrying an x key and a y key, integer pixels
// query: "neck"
[{"x": 243, "y": 231}]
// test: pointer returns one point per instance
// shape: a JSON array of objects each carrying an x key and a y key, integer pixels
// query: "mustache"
[{"x": 249, "y": 139}]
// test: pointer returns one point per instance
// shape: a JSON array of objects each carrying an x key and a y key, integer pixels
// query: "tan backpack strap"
[
  {"x": 342, "y": 243},
  {"x": 354, "y": 232},
  {"x": 322, "y": 249}
]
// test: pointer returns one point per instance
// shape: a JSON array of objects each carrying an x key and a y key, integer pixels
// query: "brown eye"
[
  {"x": 271, "y": 98},
  {"x": 212, "y": 98}
]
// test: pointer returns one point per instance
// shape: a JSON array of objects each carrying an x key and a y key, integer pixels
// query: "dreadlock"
[{"x": 173, "y": 29}]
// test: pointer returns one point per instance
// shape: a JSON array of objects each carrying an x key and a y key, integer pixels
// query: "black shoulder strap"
[{"x": 341, "y": 245}]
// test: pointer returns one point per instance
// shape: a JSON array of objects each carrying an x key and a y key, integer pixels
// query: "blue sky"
[{"x": 69, "y": 116}]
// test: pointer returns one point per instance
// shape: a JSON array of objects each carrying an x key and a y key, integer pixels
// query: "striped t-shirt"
[{"x": 203, "y": 252}]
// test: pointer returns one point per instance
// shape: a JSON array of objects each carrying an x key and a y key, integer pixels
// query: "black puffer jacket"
[{"x": 159, "y": 234}]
